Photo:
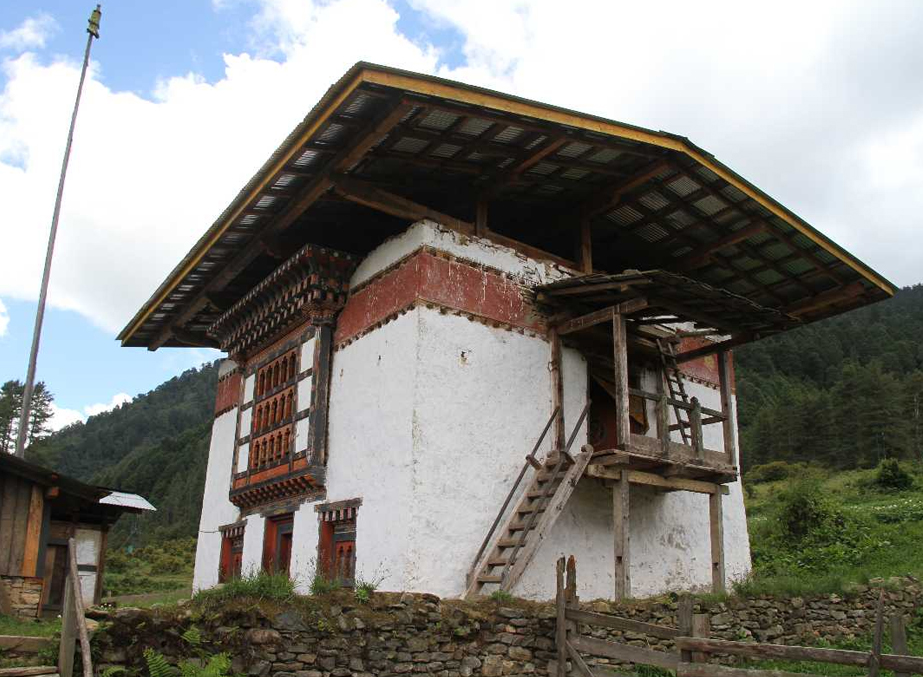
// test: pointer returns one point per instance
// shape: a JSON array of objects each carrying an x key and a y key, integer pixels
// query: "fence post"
[
  {"x": 68, "y": 632},
  {"x": 875, "y": 658},
  {"x": 899, "y": 640},
  {"x": 701, "y": 627},
  {"x": 561, "y": 626},
  {"x": 684, "y": 623}
]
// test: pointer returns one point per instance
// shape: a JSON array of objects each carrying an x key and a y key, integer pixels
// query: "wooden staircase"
[
  {"x": 677, "y": 390},
  {"x": 538, "y": 508}
]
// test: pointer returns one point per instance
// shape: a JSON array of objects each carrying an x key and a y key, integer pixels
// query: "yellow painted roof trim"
[{"x": 478, "y": 97}]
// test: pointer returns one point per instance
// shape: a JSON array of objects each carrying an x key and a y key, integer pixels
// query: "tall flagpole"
[{"x": 23, "y": 434}]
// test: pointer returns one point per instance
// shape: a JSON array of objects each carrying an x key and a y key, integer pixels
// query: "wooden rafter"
[{"x": 343, "y": 160}]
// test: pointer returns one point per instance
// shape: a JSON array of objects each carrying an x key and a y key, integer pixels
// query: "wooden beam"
[
  {"x": 369, "y": 195},
  {"x": 33, "y": 532},
  {"x": 586, "y": 321},
  {"x": 699, "y": 256},
  {"x": 625, "y": 653},
  {"x": 480, "y": 219},
  {"x": 585, "y": 258},
  {"x": 716, "y": 347},
  {"x": 608, "y": 472},
  {"x": 621, "y": 514},
  {"x": 620, "y": 379},
  {"x": 312, "y": 192},
  {"x": 728, "y": 410},
  {"x": 716, "y": 528},
  {"x": 807, "y": 305},
  {"x": 557, "y": 389},
  {"x": 859, "y": 659},
  {"x": 608, "y": 198}
]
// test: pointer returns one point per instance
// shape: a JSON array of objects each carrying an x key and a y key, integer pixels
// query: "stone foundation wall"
[
  {"x": 23, "y": 593},
  {"x": 334, "y": 636}
]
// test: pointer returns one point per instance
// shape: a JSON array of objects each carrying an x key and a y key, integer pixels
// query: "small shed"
[{"x": 40, "y": 510}]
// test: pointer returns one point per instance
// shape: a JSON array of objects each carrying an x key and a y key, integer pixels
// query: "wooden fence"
[
  {"x": 73, "y": 621},
  {"x": 694, "y": 645}
]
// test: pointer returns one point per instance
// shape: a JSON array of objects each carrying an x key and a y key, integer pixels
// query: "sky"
[{"x": 818, "y": 103}]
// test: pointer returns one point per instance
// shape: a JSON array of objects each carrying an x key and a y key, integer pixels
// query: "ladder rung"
[
  {"x": 521, "y": 526},
  {"x": 508, "y": 542},
  {"x": 496, "y": 562},
  {"x": 531, "y": 508},
  {"x": 483, "y": 578},
  {"x": 534, "y": 462},
  {"x": 538, "y": 494}
]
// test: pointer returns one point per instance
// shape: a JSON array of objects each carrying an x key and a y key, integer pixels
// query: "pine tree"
[
  {"x": 11, "y": 409},
  {"x": 40, "y": 413}
]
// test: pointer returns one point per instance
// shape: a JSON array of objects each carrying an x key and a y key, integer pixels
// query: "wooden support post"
[
  {"x": 68, "y": 632},
  {"x": 663, "y": 414},
  {"x": 561, "y": 621},
  {"x": 480, "y": 219},
  {"x": 572, "y": 598},
  {"x": 557, "y": 389},
  {"x": 701, "y": 627},
  {"x": 716, "y": 522},
  {"x": 875, "y": 658},
  {"x": 695, "y": 422},
  {"x": 684, "y": 622},
  {"x": 899, "y": 639},
  {"x": 621, "y": 521},
  {"x": 585, "y": 259},
  {"x": 620, "y": 379},
  {"x": 729, "y": 425},
  {"x": 79, "y": 612}
]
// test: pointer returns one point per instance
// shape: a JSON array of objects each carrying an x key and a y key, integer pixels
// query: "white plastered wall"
[
  {"x": 252, "y": 557},
  {"x": 89, "y": 546},
  {"x": 217, "y": 510}
]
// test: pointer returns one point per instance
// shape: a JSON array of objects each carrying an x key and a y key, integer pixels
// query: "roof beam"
[
  {"x": 312, "y": 191},
  {"x": 368, "y": 195},
  {"x": 701, "y": 255},
  {"x": 812, "y": 303},
  {"x": 609, "y": 197}
]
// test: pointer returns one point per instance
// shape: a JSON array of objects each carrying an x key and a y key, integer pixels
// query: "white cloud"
[
  {"x": 4, "y": 319},
  {"x": 819, "y": 112},
  {"x": 61, "y": 417},
  {"x": 32, "y": 33}
]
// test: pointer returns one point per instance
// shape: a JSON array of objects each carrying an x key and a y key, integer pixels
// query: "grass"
[
  {"x": 10, "y": 625},
  {"x": 163, "y": 568},
  {"x": 260, "y": 586},
  {"x": 893, "y": 521}
]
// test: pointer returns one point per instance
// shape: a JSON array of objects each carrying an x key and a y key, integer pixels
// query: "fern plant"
[
  {"x": 157, "y": 665},
  {"x": 192, "y": 636}
]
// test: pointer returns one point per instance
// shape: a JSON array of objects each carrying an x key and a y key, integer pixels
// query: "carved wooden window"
[
  {"x": 272, "y": 424},
  {"x": 232, "y": 552},
  {"x": 337, "y": 544},
  {"x": 277, "y": 544}
]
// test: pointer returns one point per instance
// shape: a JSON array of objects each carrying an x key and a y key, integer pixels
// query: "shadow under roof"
[{"x": 385, "y": 147}]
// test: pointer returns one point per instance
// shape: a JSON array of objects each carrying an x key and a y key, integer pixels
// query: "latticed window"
[
  {"x": 232, "y": 552},
  {"x": 272, "y": 429},
  {"x": 337, "y": 546}
]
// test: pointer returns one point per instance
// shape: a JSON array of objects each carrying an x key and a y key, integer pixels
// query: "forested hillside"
[
  {"x": 156, "y": 445},
  {"x": 845, "y": 392}
]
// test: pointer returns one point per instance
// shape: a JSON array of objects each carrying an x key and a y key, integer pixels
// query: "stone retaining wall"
[
  {"x": 334, "y": 636},
  {"x": 23, "y": 593}
]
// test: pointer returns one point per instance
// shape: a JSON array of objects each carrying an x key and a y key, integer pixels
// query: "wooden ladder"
[
  {"x": 675, "y": 385},
  {"x": 538, "y": 508}
]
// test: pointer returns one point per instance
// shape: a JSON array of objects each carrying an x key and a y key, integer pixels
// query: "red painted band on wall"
[
  {"x": 704, "y": 368},
  {"x": 448, "y": 283}
]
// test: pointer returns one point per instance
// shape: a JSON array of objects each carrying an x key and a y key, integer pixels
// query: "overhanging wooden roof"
[
  {"x": 669, "y": 298},
  {"x": 385, "y": 147}
]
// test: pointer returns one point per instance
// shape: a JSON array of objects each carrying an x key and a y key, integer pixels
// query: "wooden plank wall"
[{"x": 21, "y": 509}]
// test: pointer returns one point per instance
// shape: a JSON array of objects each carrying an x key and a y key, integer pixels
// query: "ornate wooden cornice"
[{"x": 312, "y": 285}]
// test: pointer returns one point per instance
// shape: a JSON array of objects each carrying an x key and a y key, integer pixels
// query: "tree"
[{"x": 11, "y": 409}]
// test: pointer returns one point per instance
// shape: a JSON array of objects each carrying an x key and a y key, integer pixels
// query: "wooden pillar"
[
  {"x": 663, "y": 414},
  {"x": 716, "y": 522},
  {"x": 480, "y": 218},
  {"x": 621, "y": 511},
  {"x": 68, "y": 630},
  {"x": 561, "y": 622},
  {"x": 30, "y": 559},
  {"x": 729, "y": 424},
  {"x": 620, "y": 378},
  {"x": 695, "y": 421},
  {"x": 899, "y": 639},
  {"x": 557, "y": 388},
  {"x": 585, "y": 249}
]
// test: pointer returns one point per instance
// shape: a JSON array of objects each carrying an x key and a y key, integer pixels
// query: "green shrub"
[
  {"x": 321, "y": 585},
  {"x": 775, "y": 471},
  {"x": 255, "y": 585},
  {"x": 891, "y": 476},
  {"x": 501, "y": 596}
]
